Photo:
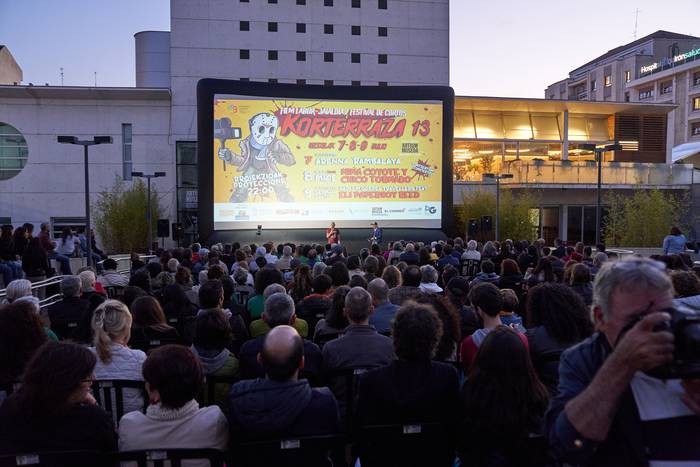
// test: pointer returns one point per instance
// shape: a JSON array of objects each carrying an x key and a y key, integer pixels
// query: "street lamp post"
[
  {"x": 498, "y": 179},
  {"x": 598, "y": 151},
  {"x": 85, "y": 143},
  {"x": 148, "y": 203}
]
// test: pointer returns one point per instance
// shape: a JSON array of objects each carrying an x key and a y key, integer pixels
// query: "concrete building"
[{"x": 10, "y": 72}]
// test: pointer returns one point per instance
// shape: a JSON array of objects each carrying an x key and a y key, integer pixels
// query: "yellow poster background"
[{"x": 322, "y": 162}]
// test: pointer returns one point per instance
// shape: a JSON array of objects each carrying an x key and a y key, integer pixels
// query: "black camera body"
[{"x": 685, "y": 327}]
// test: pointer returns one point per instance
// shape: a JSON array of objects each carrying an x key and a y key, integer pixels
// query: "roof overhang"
[
  {"x": 685, "y": 152},
  {"x": 84, "y": 92},
  {"x": 514, "y": 104}
]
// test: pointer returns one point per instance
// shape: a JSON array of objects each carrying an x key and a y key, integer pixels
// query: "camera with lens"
[{"x": 685, "y": 327}]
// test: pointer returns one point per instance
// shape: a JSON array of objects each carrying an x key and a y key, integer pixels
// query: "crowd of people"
[{"x": 523, "y": 354}]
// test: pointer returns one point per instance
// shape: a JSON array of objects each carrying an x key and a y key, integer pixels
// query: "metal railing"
[{"x": 55, "y": 280}]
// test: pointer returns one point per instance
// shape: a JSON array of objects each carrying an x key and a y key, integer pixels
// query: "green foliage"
[
  {"x": 120, "y": 216},
  {"x": 514, "y": 223},
  {"x": 644, "y": 218}
]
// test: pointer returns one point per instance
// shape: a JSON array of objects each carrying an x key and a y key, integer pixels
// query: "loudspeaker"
[
  {"x": 472, "y": 227},
  {"x": 163, "y": 229},
  {"x": 178, "y": 231},
  {"x": 486, "y": 223}
]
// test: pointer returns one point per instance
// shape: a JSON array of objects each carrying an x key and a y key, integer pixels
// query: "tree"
[
  {"x": 120, "y": 216},
  {"x": 643, "y": 219},
  {"x": 514, "y": 223}
]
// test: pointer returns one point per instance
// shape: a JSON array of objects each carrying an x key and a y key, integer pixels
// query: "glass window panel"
[
  {"x": 489, "y": 126},
  {"x": 545, "y": 127},
  {"x": 186, "y": 152},
  {"x": 589, "y": 226},
  {"x": 578, "y": 129},
  {"x": 187, "y": 176},
  {"x": 517, "y": 126},
  {"x": 464, "y": 125},
  {"x": 13, "y": 151},
  {"x": 598, "y": 129},
  {"x": 573, "y": 224}
]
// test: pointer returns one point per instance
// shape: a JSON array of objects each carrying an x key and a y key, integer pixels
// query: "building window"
[
  {"x": 272, "y": 80},
  {"x": 244, "y": 54},
  {"x": 301, "y": 56},
  {"x": 355, "y": 58},
  {"x": 301, "y": 28},
  {"x": 327, "y": 2},
  {"x": 594, "y": 85},
  {"x": 271, "y": 1},
  {"x": 327, "y": 56},
  {"x": 272, "y": 55},
  {"x": 628, "y": 76},
  {"x": 301, "y": 81},
  {"x": 271, "y": 27},
  {"x": 355, "y": 83},
  {"x": 696, "y": 79},
  {"x": 14, "y": 152},
  {"x": 126, "y": 151},
  {"x": 646, "y": 93},
  {"x": 608, "y": 81},
  {"x": 355, "y": 3},
  {"x": 666, "y": 87},
  {"x": 381, "y": 4},
  {"x": 695, "y": 129},
  {"x": 301, "y": 2},
  {"x": 327, "y": 29},
  {"x": 245, "y": 1},
  {"x": 696, "y": 103},
  {"x": 382, "y": 59},
  {"x": 328, "y": 82},
  {"x": 356, "y": 30},
  {"x": 383, "y": 31},
  {"x": 627, "y": 97},
  {"x": 383, "y": 83},
  {"x": 244, "y": 26}
]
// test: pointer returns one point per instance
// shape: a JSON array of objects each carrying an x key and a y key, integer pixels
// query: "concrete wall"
[
  {"x": 52, "y": 182},
  {"x": 152, "y": 59},
  {"x": 206, "y": 39},
  {"x": 10, "y": 72}
]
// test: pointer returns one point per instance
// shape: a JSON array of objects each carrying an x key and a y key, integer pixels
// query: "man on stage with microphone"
[
  {"x": 332, "y": 234},
  {"x": 376, "y": 234}
]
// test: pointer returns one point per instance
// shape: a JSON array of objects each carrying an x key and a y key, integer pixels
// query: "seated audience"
[
  {"x": 260, "y": 326},
  {"x": 316, "y": 305},
  {"x": 173, "y": 419},
  {"x": 450, "y": 338},
  {"x": 265, "y": 277},
  {"x": 509, "y": 310},
  {"x": 580, "y": 282},
  {"x": 398, "y": 393},
  {"x": 35, "y": 262},
  {"x": 503, "y": 404},
  {"x": 687, "y": 289},
  {"x": 511, "y": 278},
  {"x": 392, "y": 276},
  {"x": 110, "y": 277},
  {"x": 410, "y": 288},
  {"x": 409, "y": 256},
  {"x": 279, "y": 404},
  {"x": 67, "y": 317},
  {"x": 211, "y": 297},
  {"x": 20, "y": 290},
  {"x": 53, "y": 410},
  {"x": 457, "y": 292},
  {"x": 111, "y": 325},
  {"x": 150, "y": 328},
  {"x": 428, "y": 280},
  {"x": 384, "y": 310},
  {"x": 558, "y": 319},
  {"x": 471, "y": 252},
  {"x": 335, "y": 321},
  {"x": 279, "y": 310},
  {"x": 487, "y": 274}
]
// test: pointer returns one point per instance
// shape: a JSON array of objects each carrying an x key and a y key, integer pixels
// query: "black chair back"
[
  {"x": 173, "y": 457},
  {"x": 54, "y": 459},
  {"x": 109, "y": 394},
  {"x": 407, "y": 445},
  {"x": 144, "y": 339},
  {"x": 66, "y": 330},
  {"x": 210, "y": 383},
  {"x": 114, "y": 292},
  {"x": 344, "y": 384},
  {"x": 302, "y": 451},
  {"x": 470, "y": 267}
]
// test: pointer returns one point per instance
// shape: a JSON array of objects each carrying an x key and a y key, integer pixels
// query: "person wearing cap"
[
  {"x": 336, "y": 256},
  {"x": 260, "y": 252}
]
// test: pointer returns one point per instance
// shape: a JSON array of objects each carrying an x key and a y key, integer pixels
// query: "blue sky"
[{"x": 497, "y": 47}]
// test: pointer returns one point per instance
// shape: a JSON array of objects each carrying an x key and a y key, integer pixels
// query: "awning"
[{"x": 684, "y": 151}]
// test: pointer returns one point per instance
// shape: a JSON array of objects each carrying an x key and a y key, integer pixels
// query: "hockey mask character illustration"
[{"x": 263, "y": 128}]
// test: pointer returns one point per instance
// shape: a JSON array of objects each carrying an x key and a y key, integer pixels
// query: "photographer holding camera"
[{"x": 609, "y": 410}]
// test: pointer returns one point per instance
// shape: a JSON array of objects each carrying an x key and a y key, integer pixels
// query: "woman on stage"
[{"x": 332, "y": 234}]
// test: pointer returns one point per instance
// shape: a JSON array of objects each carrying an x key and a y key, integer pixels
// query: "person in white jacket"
[
  {"x": 111, "y": 326},
  {"x": 174, "y": 419}
]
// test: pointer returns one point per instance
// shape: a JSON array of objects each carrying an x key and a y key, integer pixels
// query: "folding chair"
[
  {"x": 407, "y": 445},
  {"x": 173, "y": 457},
  {"x": 103, "y": 389},
  {"x": 54, "y": 459},
  {"x": 297, "y": 451}
]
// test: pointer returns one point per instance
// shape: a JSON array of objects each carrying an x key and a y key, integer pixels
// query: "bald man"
[{"x": 281, "y": 404}]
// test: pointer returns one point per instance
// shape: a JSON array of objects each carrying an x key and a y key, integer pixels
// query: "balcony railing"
[{"x": 586, "y": 173}]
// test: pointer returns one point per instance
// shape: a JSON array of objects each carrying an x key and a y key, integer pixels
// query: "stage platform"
[{"x": 353, "y": 239}]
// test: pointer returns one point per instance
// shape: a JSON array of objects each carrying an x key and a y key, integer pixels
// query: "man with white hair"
[
  {"x": 89, "y": 292},
  {"x": 428, "y": 280},
  {"x": 471, "y": 252},
  {"x": 260, "y": 326},
  {"x": 285, "y": 262},
  {"x": 609, "y": 410},
  {"x": 384, "y": 310},
  {"x": 279, "y": 310},
  {"x": 67, "y": 316},
  {"x": 409, "y": 256}
]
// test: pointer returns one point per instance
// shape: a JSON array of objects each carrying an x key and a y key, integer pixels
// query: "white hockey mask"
[{"x": 263, "y": 128}]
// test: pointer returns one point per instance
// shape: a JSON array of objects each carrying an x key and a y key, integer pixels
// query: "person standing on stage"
[
  {"x": 332, "y": 234},
  {"x": 376, "y": 234}
]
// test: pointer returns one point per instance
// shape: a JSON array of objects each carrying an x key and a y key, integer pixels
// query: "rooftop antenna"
[
  {"x": 636, "y": 19},
  {"x": 95, "y": 79},
  {"x": 61, "y": 76}
]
